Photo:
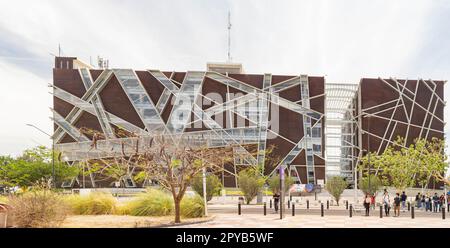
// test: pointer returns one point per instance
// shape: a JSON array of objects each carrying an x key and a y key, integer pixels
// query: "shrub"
[
  {"x": 38, "y": 208},
  {"x": 274, "y": 183},
  {"x": 3, "y": 199},
  {"x": 375, "y": 184},
  {"x": 335, "y": 186},
  {"x": 93, "y": 204},
  {"x": 213, "y": 185},
  {"x": 250, "y": 183},
  {"x": 192, "y": 206},
  {"x": 151, "y": 203}
]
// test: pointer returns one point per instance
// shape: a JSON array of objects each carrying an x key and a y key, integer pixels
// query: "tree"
[
  {"x": 335, "y": 186},
  {"x": 406, "y": 166},
  {"x": 375, "y": 184},
  {"x": 250, "y": 183},
  {"x": 33, "y": 166},
  {"x": 213, "y": 185},
  {"x": 274, "y": 183},
  {"x": 171, "y": 162}
]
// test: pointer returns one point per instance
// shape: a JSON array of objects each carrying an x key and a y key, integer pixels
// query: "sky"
[{"x": 342, "y": 40}]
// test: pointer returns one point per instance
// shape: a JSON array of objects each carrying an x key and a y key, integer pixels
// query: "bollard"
[
  {"x": 239, "y": 208},
  {"x": 321, "y": 209},
  {"x": 289, "y": 204},
  {"x": 307, "y": 204},
  {"x": 265, "y": 209},
  {"x": 328, "y": 204},
  {"x": 293, "y": 209},
  {"x": 412, "y": 212},
  {"x": 351, "y": 211},
  {"x": 346, "y": 205},
  {"x": 270, "y": 203},
  {"x": 443, "y": 213},
  {"x": 381, "y": 211},
  {"x": 290, "y": 198},
  {"x": 409, "y": 206}
]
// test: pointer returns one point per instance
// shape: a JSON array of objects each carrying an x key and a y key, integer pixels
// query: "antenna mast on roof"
[{"x": 229, "y": 36}]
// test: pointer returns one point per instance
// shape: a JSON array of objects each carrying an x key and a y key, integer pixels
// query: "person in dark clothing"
[
  {"x": 403, "y": 199},
  {"x": 397, "y": 201},
  {"x": 435, "y": 202},
  {"x": 418, "y": 200},
  {"x": 367, "y": 200},
  {"x": 423, "y": 201},
  {"x": 276, "y": 201}
]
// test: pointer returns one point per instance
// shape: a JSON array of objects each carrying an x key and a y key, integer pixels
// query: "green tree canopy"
[
  {"x": 33, "y": 166},
  {"x": 336, "y": 185},
  {"x": 250, "y": 183},
  {"x": 274, "y": 183},
  {"x": 375, "y": 184},
  {"x": 406, "y": 166},
  {"x": 213, "y": 185}
]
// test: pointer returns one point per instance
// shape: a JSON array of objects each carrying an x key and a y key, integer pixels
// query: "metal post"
[
  {"x": 270, "y": 203},
  {"x": 328, "y": 204},
  {"x": 321, "y": 209},
  {"x": 265, "y": 209},
  {"x": 346, "y": 205},
  {"x": 351, "y": 211},
  {"x": 282, "y": 207},
  {"x": 368, "y": 150},
  {"x": 53, "y": 163},
  {"x": 239, "y": 208},
  {"x": 409, "y": 206},
  {"x": 293, "y": 209},
  {"x": 443, "y": 213},
  {"x": 381, "y": 212},
  {"x": 307, "y": 204},
  {"x": 412, "y": 212},
  {"x": 289, "y": 204}
]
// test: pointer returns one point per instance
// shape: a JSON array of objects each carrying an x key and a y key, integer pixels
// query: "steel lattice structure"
[{"x": 250, "y": 112}]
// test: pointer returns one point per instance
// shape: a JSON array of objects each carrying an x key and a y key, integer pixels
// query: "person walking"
[
  {"x": 403, "y": 199},
  {"x": 418, "y": 200},
  {"x": 367, "y": 201},
  {"x": 276, "y": 200},
  {"x": 372, "y": 201},
  {"x": 386, "y": 202},
  {"x": 448, "y": 201},
  {"x": 435, "y": 202},
  {"x": 441, "y": 202},
  {"x": 423, "y": 201},
  {"x": 397, "y": 201},
  {"x": 428, "y": 206}
]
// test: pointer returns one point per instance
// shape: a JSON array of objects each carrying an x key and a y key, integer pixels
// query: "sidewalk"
[{"x": 273, "y": 221}]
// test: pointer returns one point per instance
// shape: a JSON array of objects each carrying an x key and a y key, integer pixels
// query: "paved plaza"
[{"x": 315, "y": 221}]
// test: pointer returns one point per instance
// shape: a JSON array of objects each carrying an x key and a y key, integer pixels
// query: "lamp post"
[
  {"x": 368, "y": 151},
  {"x": 281, "y": 191},
  {"x": 205, "y": 201},
  {"x": 53, "y": 152}
]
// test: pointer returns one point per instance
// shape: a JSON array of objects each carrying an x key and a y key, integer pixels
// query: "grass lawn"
[{"x": 124, "y": 221}]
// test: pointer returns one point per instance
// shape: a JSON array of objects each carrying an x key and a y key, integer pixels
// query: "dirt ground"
[{"x": 124, "y": 221}]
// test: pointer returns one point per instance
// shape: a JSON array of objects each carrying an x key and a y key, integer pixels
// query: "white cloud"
[{"x": 24, "y": 100}]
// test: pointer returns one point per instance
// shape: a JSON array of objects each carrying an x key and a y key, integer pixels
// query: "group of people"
[
  {"x": 435, "y": 203},
  {"x": 432, "y": 203}
]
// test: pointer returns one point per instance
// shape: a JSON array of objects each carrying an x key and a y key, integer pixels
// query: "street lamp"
[
  {"x": 53, "y": 152},
  {"x": 368, "y": 150}
]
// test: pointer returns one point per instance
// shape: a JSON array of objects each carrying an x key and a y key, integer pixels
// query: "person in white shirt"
[{"x": 386, "y": 202}]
